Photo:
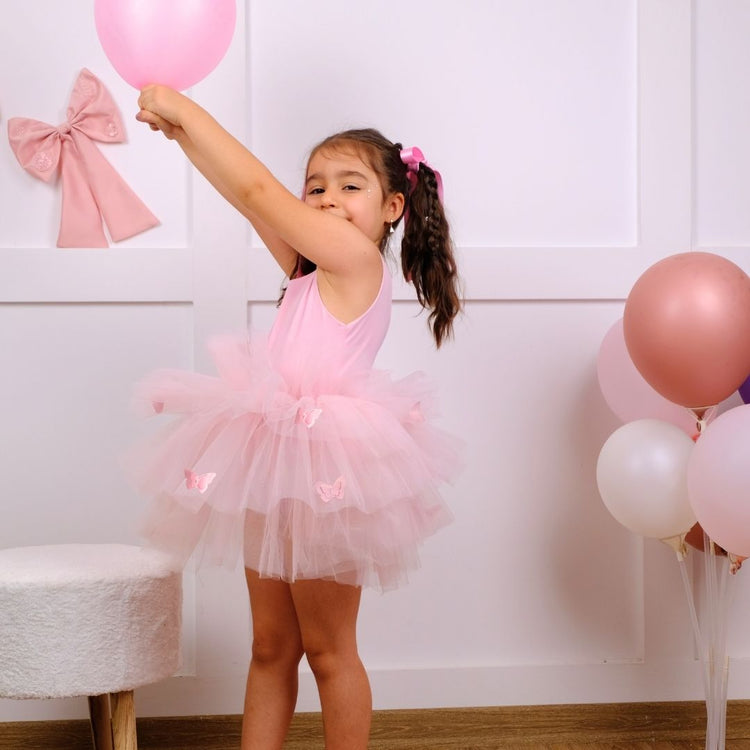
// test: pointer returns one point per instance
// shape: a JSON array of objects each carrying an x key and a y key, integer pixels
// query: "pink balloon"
[
  {"x": 173, "y": 42},
  {"x": 687, "y": 327},
  {"x": 626, "y": 392},
  {"x": 719, "y": 480}
]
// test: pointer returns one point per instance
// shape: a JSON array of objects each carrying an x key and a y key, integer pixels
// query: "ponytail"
[{"x": 427, "y": 257}]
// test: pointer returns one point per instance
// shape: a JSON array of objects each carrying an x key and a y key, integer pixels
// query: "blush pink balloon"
[
  {"x": 173, "y": 42},
  {"x": 687, "y": 327},
  {"x": 627, "y": 394},
  {"x": 718, "y": 478}
]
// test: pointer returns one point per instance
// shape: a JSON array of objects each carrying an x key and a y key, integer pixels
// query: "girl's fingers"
[
  {"x": 150, "y": 119},
  {"x": 155, "y": 122}
]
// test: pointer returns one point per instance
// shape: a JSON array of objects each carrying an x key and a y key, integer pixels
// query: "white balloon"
[{"x": 642, "y": 478}]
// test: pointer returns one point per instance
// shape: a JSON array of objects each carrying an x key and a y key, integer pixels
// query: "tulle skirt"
[{"x": 340, "y": 485}]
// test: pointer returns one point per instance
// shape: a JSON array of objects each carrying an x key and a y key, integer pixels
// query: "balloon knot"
[
  {"x": 735, "y": 563},
  {"x": 677, "y": 543}
]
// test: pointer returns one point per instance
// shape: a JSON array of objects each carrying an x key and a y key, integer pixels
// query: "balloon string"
[
  {"x": 720, "y": 577},
  {"x": 697, "y": 637},
  {"x": 709, "y": 554},
  {"x": 722, "y": 718},
  {"x": 726, "y": 597}
]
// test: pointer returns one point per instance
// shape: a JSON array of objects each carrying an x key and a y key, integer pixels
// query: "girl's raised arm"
[
  {"x": 285, "y": 223},
  {"x": 284, "y": 254}
]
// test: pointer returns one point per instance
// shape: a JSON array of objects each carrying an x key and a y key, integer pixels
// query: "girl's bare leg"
[
  {"x": 272, "y": 680},
  {"x": 327, "y": 616}
]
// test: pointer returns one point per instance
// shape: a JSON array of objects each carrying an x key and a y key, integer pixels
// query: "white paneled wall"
[
  {"x": 579, "y": 140},
  {"x": 722, "y": 122}
]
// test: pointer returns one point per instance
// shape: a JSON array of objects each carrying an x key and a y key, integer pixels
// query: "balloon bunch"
[{"x": 682, "y": 347}]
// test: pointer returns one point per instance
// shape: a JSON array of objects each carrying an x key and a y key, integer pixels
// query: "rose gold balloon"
[{"x": 687, "y": 328}]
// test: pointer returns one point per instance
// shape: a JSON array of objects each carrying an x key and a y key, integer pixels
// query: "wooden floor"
[
  {"x": 628, "y": 726},
  {"x": 740, "y": 745},
  {"x": 737, "y": 745}
]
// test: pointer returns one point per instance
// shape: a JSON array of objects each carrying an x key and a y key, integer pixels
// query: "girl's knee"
[
  {"x": 276, "y": 648},
  {"x": 330, "y": 659}
]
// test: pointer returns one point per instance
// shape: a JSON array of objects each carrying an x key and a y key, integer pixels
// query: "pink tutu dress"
[{"x": 299, "y": 457}]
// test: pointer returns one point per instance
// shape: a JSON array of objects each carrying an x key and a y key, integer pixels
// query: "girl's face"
[{"x": 340, "y": 183}]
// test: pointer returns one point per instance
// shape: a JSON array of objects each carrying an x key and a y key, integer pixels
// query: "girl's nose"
[{"x": 327, "y": 200}]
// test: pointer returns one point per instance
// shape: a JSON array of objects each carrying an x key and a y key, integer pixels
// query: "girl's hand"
[
  {"x": 155, "y": 122},
  {"x": 160, "y": 105}
]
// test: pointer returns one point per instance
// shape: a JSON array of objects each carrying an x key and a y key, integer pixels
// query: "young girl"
[{"x": 320, "y": 471}]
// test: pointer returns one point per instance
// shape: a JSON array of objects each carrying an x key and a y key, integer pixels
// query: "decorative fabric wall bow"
[{"x": 92, "y": 190}]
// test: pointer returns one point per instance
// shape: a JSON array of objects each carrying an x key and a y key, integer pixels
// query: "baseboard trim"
[{"x": 494, "y": 728}]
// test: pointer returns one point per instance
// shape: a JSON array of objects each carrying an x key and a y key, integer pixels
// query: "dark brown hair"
[{"x": 427, "y": 257}]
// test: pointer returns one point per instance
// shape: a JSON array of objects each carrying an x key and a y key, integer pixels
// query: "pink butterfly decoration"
[
  {"x": 198, "y": 482},
  {"x": 310, "y": 416},
  {"x": 330, "y": 492},
  {"x": 415, "y": 413}
]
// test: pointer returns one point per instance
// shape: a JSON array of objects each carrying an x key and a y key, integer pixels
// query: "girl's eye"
[
  {"x": 315, "y": 191},
  {"x": 351, "y": 187}
]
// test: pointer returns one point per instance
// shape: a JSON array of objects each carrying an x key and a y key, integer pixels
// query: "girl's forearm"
[
  {"x": 221, "y": 157},
  {"x": 282, "y": 252}
]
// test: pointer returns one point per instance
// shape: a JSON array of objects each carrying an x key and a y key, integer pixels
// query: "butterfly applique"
[
  {"x": 309, "y": 417},
  {"x": 330, "y": 492},
  {"x": 416, "y": 415},
  {"x": 198, "y": 482}
]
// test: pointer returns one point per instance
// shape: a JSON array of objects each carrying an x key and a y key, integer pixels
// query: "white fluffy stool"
[{"x": 95, "y": 620}]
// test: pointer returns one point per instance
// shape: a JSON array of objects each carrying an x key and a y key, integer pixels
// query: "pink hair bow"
[
  {"x": 413, "y": 157},
  {"x": 92, "y": 189}
]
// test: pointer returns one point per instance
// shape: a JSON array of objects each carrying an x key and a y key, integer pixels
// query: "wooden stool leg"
[
  {"x": 123, "y": 721},
  {"x": 101, "y": 723}
]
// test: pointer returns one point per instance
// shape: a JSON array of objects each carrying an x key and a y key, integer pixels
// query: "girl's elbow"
[{"x": 249, "y": 193}]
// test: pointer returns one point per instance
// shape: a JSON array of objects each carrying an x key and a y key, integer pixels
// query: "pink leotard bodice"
[{"x": 315, "y": 352}]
